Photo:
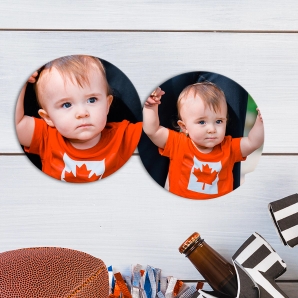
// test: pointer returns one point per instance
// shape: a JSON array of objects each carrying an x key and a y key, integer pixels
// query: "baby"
[
  {"x": 72, "y": 138},
  {"x": 201, "y": 156}
]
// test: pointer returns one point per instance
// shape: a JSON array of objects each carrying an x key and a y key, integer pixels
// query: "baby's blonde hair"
[
  {"x": 75, "y": 68},
  {"x": 209, "y": 93}
]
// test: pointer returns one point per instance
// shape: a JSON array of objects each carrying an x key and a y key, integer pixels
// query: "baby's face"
[
  {"x": 205, "y": 127},
  {"x": 78, "y": 113}
]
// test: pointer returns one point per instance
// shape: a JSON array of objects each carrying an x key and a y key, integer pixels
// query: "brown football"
[{"x": 52, "y": 272}]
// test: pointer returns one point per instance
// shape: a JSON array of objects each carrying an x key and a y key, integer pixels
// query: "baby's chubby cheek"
[{"x": 104, "y": 122}]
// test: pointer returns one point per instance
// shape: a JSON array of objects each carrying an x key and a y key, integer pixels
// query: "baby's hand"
[
  {"x": 154, "y": 98},
  {"x": 32, "y": 78},
  {"x": 259, "y": 114}
]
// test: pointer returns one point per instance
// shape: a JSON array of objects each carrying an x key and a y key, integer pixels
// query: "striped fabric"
[
  {"x": 284, "y": 213},
  {"x": 258, "y": 265},
  {"x": 246, "y": 286}
]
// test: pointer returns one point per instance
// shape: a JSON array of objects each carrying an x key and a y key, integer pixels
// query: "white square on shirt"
[{"x": 204, "y": 171}]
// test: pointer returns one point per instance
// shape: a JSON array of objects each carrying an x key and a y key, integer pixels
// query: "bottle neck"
[{"x": 198, "y": 242}]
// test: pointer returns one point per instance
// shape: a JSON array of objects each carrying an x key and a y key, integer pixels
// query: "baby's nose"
[
  {"x": 211, "y": 128},
  {"x": 82, "y": 113}
]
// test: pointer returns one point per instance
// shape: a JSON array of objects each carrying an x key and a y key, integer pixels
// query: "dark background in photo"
[
  {"x": 236, "y": 96},
  {"x": 126, "y": 102}
]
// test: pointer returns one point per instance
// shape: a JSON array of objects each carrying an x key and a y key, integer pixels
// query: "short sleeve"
[
  {"x": 37, "y": 143},
  {"x": 236, "y": 150},
  {"x": 131, "y": 138},
  {"x": 171, "y": 144}
]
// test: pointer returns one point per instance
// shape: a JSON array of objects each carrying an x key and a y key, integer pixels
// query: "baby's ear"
[
  {"x": 109, "y": 99},
  {"x": 182, "y": 126},
  {"x": 44, "y": 115}
]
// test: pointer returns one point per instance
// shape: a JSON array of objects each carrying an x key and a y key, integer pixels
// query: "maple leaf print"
[
  {"x": 82, "y": 175},
  {"x": 205, "y": 176}
]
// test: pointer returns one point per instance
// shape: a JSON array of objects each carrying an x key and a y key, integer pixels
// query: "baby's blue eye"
[
  {"x": 202, "y": 122},
  {"x": 91, "y": 100},
  {"x": 218, "y": 121},
  {"x": 66, "y": 105}
]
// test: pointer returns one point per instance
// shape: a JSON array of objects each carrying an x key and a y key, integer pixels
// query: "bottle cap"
[{"x": 191, "y": 239}]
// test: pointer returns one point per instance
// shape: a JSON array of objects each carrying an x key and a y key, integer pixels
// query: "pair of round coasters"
[{"x": 86, "y": 121}]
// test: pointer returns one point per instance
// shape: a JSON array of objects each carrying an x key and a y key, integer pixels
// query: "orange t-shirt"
[
  {"x": 195, "y": 175},
  {"x": 64, "y": 162}
]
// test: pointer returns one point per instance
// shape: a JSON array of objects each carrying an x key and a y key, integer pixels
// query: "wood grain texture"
[
  {"x": 264, "y": 64},
  {"x": 289, "y": 288},
  {"x": 129, "y": 215},
  {"x": 150, "y": 15},
  {"x": 127, "y": 218}
]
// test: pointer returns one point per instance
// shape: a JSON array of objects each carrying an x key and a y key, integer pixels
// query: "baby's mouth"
[
  {"x": 84, "y": 125},
  {"x": 211, "y": 138}
]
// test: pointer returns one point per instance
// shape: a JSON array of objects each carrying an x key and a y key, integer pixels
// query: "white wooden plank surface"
[
  {"x": 128, "y": 219},
  {"x": 264, "y": 64},
  {"x": 289, "y": 288},
  {"x": 150, "y": 15}
]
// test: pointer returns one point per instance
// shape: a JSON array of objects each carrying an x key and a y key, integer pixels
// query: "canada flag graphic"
[
  {"x": 82, "y": 171},
  {"x": 204, "y": 176}
]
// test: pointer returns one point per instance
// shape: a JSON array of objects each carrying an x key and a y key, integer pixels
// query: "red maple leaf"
[
  {"x": 82, "y": 175},
  {"x": 206, "y": 175}
]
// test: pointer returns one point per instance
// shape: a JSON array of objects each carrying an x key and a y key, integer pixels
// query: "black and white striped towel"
[
  {"x": 284, "y": 213},
  {"x": 262, "y": 266}
]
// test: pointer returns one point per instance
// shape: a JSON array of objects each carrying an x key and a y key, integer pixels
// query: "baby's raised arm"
[
  {"x": 255, "y": 138},
  {"x": 24, "y": 124},
  {"x": 157, "y": 133}
]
